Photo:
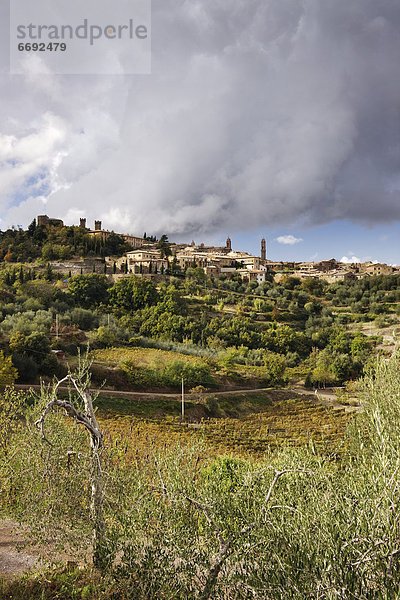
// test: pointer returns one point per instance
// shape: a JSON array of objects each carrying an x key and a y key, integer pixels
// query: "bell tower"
[
  {"x": 228, "y": 244},
  {"x": 263, "y": 249}
]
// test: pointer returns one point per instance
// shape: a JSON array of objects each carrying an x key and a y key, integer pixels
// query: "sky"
[{"x": 260, "y": 118}]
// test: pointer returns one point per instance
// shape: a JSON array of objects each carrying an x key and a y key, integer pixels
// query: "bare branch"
[
  {"x": 88, "y": 420},
  {"x": 210, "y": 520},
  {"x": 164, "y": 487},
  {"x": 225, "y": 546}
]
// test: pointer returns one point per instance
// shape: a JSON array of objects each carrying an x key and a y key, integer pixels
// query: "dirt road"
[
  {"x": 327, "y": 396},
  {"x": 12, "y": 560}
]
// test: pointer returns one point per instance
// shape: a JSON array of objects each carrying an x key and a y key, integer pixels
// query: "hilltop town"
[
  {"x": 207, "y": 352},
  {"x": 151, "y": 258}
]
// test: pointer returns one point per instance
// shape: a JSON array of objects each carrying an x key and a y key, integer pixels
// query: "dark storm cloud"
[{"x": 259, "y": 112}]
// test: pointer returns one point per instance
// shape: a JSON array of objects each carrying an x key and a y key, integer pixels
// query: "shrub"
[
  {"x": 105, "y": 337},
  {"x": 27, "y": 368},
  {"x": 193, "y": 374},
  {"x": 85, "y": 319}
]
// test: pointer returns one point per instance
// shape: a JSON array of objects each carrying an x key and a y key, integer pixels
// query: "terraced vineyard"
[{"x": 293, "y": 422}]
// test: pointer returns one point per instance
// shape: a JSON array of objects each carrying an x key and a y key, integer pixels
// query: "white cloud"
[
  {"x": 357, "y": 259},
  {"x": 288, "y": 239},
  {"x": 351, "y": 259}
]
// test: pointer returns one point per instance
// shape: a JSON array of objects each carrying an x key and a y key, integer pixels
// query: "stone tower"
[
  {"x": 82, "y": 224},
  {"x": 228, "y": 244},
  {"x": 97, "y": 225},
  {"x": 263, "y": 249}
]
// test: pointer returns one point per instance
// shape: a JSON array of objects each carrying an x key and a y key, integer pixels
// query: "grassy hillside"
[{"x": 156, "y": 369}]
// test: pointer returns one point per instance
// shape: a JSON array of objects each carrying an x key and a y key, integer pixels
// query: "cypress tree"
[{"x": 49, "y": 273}]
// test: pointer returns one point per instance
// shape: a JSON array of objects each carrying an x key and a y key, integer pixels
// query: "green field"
[{"x": 155, "y": 369}]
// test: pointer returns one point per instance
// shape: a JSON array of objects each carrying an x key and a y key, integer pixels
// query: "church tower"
[
  {"x": 228, "y": 244},
  {"x": 263, "y": 249}
]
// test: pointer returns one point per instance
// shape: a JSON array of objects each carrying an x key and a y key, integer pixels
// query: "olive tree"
[{"x": 80, "y": 409}]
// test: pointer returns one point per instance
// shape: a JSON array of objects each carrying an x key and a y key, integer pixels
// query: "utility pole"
[
  {"x": 183, "y": 401},
  {"x": 56, "y": 326}
]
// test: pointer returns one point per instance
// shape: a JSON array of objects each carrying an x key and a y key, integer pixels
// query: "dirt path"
[
  {"x": 327, "y": 396},
  {"x": 154, "y": 395},
  {"x": 13, "y": 561}
]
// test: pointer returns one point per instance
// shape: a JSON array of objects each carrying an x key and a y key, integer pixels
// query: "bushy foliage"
[
  {"x": 28, "y": 322},
  {"x": 170, "y": 375},
  {"x": 56, "y": 243},
  {"x": 88, "y": 290},
  {"x": 132, "y": 294},
  {"x": 293, "y": 525},
  {"x": 85, "y": 319},
  {"x": 8, "y": 372}
]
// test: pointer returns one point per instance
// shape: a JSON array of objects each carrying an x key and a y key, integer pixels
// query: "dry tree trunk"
[{"x": 88, "y": 420}]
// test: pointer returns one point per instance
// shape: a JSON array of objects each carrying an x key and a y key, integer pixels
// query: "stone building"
[
  {"x": 263, "y": 250},
  {"x": 143, "y": 261},
  {"x": 98, "y": 232},
  {"x": 44, "y": 220},
  {"x": 371, "y": 269}
]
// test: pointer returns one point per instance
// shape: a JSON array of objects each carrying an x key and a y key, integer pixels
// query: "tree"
[
  {"x": 323, "y": 373},
  {"x": 35, "y": 346},
  {"x": 32, "y": 227},
  {"x": 133, "y": 293},
  {"x": 8, "y": 257},
  {"x": 88, "y": 290},
  {"x": 197, "y": 274},
  {"x": 164, "y": 246},
  {"x": 49, "y": 273},
  {"x": 275, "y": 366},
  {"x": 86, "y": 418},
  {"x": 175, "y": 267},
  {"x": 8, "y": 373},
  {"x": 105, "y": 336},
  {"x": 115, "y": 245},
  {"x": 314, "y": 286}
]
